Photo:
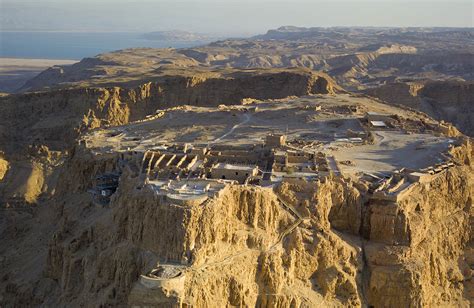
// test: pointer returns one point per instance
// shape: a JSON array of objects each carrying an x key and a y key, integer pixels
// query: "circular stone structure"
[{"x": 168, "y": 278}]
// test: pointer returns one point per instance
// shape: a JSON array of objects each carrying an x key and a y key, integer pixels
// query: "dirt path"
[
  {"x": 247, "y": 118},
  {"x": 281, "y": 237}
]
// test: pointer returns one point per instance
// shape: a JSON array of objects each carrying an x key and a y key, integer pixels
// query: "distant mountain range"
[{"x": 178, "y": 36}]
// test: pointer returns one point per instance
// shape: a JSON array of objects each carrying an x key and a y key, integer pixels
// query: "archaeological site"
[{"x": 305, "y": 167}]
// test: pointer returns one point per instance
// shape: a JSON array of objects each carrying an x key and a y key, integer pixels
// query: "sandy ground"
[
  {"x": 392, "y": 150},
  {"x": 15, "y": 72}
]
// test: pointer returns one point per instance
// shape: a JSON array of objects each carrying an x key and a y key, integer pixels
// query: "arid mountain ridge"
[{"x": 358, "y": 59}]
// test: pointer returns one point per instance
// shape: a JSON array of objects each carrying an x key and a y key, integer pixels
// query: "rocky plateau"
[{"x": 337, "y": 210}]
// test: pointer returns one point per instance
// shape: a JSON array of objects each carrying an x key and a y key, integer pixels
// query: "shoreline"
[
  {"x": 15, "y": 72},
  {"x": 34, "y": 62}
]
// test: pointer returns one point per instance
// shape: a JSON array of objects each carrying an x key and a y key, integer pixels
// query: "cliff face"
[
  {"x": 398, "y": 93},
  {"x": 242, "y": 226},
  {"x": 55, "y": 119},
  {"x": 449, "y": 92},
  {"x": 200, "y": 232},
  {"x": 50, "y": 118},
  {"x": 202, "y": 91},
  {"x": 242, "y": 247},
  {"x": 450, "y": 101},
  {"x": 141, "y": 228},
  {"x": 300, "y": 244},
  {"x": 415, "y": 254}
]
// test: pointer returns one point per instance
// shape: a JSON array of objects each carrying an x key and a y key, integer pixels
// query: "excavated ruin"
[
  {"x": 297, "y": 245},
  {"x": 333, "y": 241}
]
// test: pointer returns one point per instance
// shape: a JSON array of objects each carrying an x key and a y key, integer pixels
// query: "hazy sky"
[{"x": 228, "y": 17}]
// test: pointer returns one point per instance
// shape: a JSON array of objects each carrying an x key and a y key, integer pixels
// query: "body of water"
[{"x": 75, "y": 45}]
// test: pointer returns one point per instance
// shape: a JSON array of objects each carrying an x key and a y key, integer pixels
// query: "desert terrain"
[
  {"x": 397, "y": 65},
  {"x": 305, "y": 167}
]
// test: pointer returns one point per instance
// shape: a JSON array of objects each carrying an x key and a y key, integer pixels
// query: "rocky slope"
[
  {"x": 50, "y": 118},
  {"x": 38, "y": 129},
  {"x": 345, "y": 251},
  {"x": 451, "y": 101},
  {"x": 418, "y": 246}
]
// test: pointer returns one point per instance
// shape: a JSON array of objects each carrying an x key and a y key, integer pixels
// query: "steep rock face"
[
  {"x": 330, "y": 261},
  {"x": 469, "y": 259},
  {"x": 415, "y": 252},
  {"x": 451, "y": 101},
  {"x": 26, "y": 176},
  {"x": 245, "y": 247},
  {"x": 307, "y": 264},
  {"x": 241, "y": 245},
  {"x": 202, "y": 91},
  {"x": 197, "y": 233},
  {"x": 346, "y": 205},
  {"x": 27, "y": 182},
  {"x": 145, "y": 229},
  {"x": 447, "y": 92},
  {"x": 398, "y": 93},
  {"x": 225, "y": 239},
  {"x": 79, "y": 170},
  {"x": 54, "y": 119},
  {"x": 51, "y": 118}
]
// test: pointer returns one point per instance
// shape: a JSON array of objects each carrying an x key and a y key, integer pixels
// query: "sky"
[{"x": 227, "y": 17}]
